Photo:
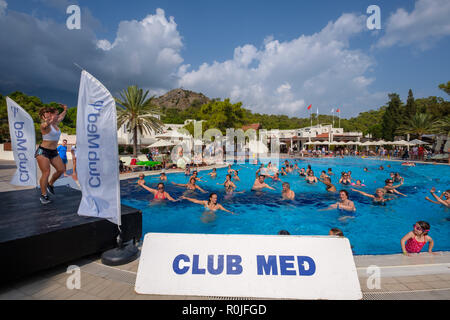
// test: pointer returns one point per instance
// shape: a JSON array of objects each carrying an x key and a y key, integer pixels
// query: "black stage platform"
[{"x": 35, "y": 237}]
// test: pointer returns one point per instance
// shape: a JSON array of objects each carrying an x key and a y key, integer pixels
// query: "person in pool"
[
  {"x": 328, "y": 185},
  {"x": 398, "y": 177},
  {"x": 444, "y": 199},
  {"x": 350, "y": 175},
  {"x": 187, "y": 171},
  {"x": 229, "y": 185},
  {"x": 381, "y": 168},
  {"x": 160, "y": 193},
  {"x": 47, "y": 154},
  {"x": 190, "y": 186},
  {"x": 275, "y": 177},
  {"x": 236, "y": 177},
  {"x": 344, "y": 204},
  {"x": 308, "y": 169},
  {"x": 330, "y": 172},
  {"x": 287, "y": 193},
  {"x": 195, "y": 175},
  {"x": 345, "y": 180},
  {"x": 283, "y": 172},
  {"x": 260, "y": 184},
  {"x": 302, "y": 172},
  {"x": 230, "y": 170},
  {"x": 311, "y": 178},
  {"x": 377, "y": 198},
  {"x": 141, "y": 177},
  {"x": 415, "y": 240},
  {"x": 366, "y": 170},
  {"x": 163, "y": 176},
  {"x": 390, "y": 188},
  {"x": 336, "y": 232},
  {"x": 323, "y": 175},
  {"x": 213, "y": 173},
  {"x": 210, "y": 204},
  {"x": 358, "y": 184}
]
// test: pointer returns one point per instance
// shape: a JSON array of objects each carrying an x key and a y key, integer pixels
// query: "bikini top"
[
  {"x": 160, "y": 196},
  {"x": 53, "y": 135}
]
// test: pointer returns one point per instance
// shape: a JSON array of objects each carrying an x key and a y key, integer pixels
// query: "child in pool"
[
  {"x": 415, "y": 240},
  {"x": 358, "y": 184}
]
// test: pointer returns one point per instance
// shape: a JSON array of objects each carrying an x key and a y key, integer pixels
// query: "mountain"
[{"x": 181, "y": 99}]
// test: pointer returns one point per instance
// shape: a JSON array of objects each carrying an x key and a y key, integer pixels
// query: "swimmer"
[
  {"x": 390, "y": 188},
  {"x": 378, "y": 197},
  {"x": 296, "y": 166},
  {"x": 328, "y": 185},
  {"x": 408, "y": 164},
  {"x": 160, "y": 193},
  {"x": 415, "y": 240},
  {"x": 287, "y": 193},
  {"x": 210, "y": 204},
  {"x": 381, "y": 168},
  {"x": 190, "y": 186},
  {"x": 310, "y": 178},
  {"x": 195, "y": 176},
  {"x": 236, "y": 177},
  {"x": 336, "y": 232},
  {"x": 398, "y": 177},
  {"x": 229, "y": 185},
  {"x": 330, "y": 172},
  {"x": 283, "y": 172},
  {"x": 230, "y": 171},
  {"x": 308, "y": 169},
  {"x": 344, "y": 203},
  {"x": 345, "y": 180},
  {"x": 213, "y": 173},
  {"x": 163, "y": 176},
  {"x": 350, "y": 175},
  {"x": 444, "y": 199},
  {"x": 259, "y": 184},
  {"x": 323, "y": 175},
  {"x": 302, "y": 172},
  {"x": 366, "y": 170},
  {"x": 141, "y": 177},
  {"x": 276, "y": 177},
  {"x": 358, "y": 184}
]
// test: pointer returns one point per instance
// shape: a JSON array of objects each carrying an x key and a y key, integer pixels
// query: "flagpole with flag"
[
  {"x": 332, "y": 115},
  {"x": 310, "y": 117},
  {"x": 98, "y": 161},
  {"x": 23, "y": 143},
  {"x": 338, "y": 111}
]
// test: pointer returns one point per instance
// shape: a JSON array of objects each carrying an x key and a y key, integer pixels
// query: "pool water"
[{"x": 373, "y": 229}]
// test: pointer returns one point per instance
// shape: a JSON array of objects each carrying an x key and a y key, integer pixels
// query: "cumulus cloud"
[
  {"x": 426, "y": 24},
  {"x": 285, "y": 77},
  {"x": 38, "y": 54}
]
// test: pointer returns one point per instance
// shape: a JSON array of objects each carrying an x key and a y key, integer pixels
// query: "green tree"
[
  {"x": 410, "y": 108},
  {"x": 418, "y": 125},
  {"x": 137, "y": 113},
  {"x": 391, "y": 117},
  {"x": 442, "y": 126},
  {"x": 445, "y": 87}
]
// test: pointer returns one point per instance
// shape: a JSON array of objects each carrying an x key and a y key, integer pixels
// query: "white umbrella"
[
  {"x": 417, "y": 141},
  {"x": 172, "y": 134},
  {"x": 161, "y": 143},
  {"x": 367, "y": 143}
]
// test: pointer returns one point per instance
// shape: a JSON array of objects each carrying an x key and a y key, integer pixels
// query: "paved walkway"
[{"x": 421, "y": 277}]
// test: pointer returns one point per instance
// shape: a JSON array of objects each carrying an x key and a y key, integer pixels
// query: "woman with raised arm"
[
  {"x": 210, "y": 204},
  {"x": 190, "y": 186},
  {"x": 160, "y": 193},
  {"x": 444, "y": 199},
  {"x": 377, "y": 198},
  {"x": 47, "y": 154}
]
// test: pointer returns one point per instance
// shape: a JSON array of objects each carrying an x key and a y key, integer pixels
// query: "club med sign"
[{"x": 255, "y": 266}]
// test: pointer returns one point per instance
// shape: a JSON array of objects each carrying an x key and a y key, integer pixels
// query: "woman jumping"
[{"x": 46, "y": 154}]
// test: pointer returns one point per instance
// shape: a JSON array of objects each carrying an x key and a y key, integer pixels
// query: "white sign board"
[{"x": 256, "y": 266}]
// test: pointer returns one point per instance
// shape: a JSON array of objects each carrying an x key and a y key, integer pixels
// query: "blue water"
[{"x": 373, "y": 229}]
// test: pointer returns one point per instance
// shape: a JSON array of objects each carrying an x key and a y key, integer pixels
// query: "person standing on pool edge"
[
  {"x": 46, "y": 154},
  {"x": 62, "y": 151}
]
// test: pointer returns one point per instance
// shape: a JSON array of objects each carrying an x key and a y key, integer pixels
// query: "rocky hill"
[{"x": 181, "y": 99}]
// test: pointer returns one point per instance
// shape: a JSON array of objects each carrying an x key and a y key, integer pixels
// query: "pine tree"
[
  {"x": 410, "y": 110},
  {"x": 392, "y": 116}
]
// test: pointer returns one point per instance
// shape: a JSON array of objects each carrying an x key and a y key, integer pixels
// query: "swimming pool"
[{"x": 373, "y": 229}]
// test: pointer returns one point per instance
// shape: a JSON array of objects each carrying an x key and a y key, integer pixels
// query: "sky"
[{"x": 276, "y": 57}]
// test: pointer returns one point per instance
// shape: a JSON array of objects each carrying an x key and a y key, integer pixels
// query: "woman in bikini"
[
  {"x": 229, "y": 185},
  {"x": 378, "y": 198},
  {"x": 190, "y": 186},
  {"x": 160, "y": 193},
  {"x": 310, "y": 178},
  {"x": 46, "y": 154},
  {"x": 210, "y": 204}
]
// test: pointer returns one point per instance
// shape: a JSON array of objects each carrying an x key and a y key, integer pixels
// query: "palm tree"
[
  {"x": 137, "y": 113},
  {"x": 419, "y": 124},
  {"x": 442, "y": 126}
]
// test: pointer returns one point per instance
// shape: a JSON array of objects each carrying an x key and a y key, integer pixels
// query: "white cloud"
[
  {"x": 285, "y": 77},
  {"x": 426, "y": 24},
  {"x": 39, "y": 54},
  {"x": 3, "y": 6}
]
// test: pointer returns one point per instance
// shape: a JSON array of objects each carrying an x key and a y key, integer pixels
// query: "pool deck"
[{"x": 421, "y": 277}]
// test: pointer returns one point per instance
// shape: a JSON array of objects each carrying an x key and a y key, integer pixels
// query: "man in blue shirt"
[{"x": 62, "y": 150}]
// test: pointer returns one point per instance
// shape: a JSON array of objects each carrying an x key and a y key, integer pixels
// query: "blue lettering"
[
  {"x": 285, "y": 264},
  {"x": 195, "y": 268},
  {"x": 211, "y": 269},
  {"x": 269, "y": 267},
  {"x": 301, "y": 266},
  {"x": 176, "y": 264},
  {"x": 234, "y": 264},
  {"x": 92, "y": 143},
  {"x": 94, "y": 182},
  {"x": 27, "y": 177}
]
